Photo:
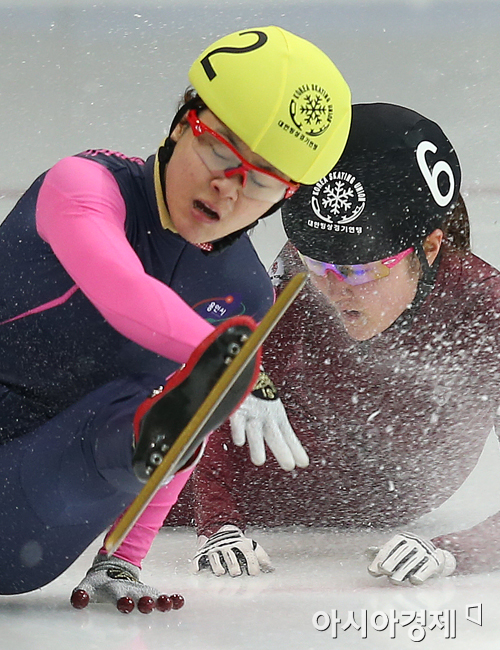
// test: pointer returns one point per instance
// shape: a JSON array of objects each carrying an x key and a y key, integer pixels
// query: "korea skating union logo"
[
  {"x": 338, "y": 199},
  {"x": 311, "y": 109}
]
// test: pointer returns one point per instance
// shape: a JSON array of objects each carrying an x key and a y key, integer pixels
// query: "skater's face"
[
  {"x": 368, "y": 309},
  {"x": 204, "y": 201}
]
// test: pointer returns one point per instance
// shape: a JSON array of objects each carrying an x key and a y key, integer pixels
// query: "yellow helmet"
[{"x": 281, "y": 95}]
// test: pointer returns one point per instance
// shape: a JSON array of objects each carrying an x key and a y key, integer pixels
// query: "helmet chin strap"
[
  {"x": 167, "y": 148},
  {"x": 425, "y": 285}
]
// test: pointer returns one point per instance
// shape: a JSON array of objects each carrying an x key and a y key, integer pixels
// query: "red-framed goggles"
[
  {"x": 354, "y": 274},
  {"x": 219, "y": 155}
]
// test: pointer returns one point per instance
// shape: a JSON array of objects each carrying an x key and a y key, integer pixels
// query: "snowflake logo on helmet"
[
  {"x": 338, "y": 198},
  {"x": 311, "y": 109}
]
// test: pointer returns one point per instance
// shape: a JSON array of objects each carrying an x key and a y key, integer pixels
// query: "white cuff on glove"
[
  {"x": 409, "y": 557},
  {"x": 260, "y": 422},
  {"x": 229, "y": 551}
]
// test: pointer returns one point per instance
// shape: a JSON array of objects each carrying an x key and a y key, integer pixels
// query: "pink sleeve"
[
  {"x": 81, "y": 214},
  {"x": 136, "y": 545}
]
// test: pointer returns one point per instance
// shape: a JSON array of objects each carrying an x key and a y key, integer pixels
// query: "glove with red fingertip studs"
[{"x": 116, "y": 581}]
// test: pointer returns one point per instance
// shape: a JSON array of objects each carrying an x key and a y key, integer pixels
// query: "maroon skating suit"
[{"x": 393, "y": 426}]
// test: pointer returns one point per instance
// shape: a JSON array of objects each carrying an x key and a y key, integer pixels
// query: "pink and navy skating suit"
[{"x": 99, "y": 303}]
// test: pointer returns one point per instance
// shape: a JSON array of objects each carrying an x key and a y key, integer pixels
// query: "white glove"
[
  {"x": 116, "y": 581},
  {"x": 407, "y": 556},
  {"x": 260, "y": 421},
  {"x": 229, "y": 551}
]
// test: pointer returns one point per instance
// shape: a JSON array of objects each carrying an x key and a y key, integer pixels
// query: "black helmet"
[{"x": 396, "y": 181}]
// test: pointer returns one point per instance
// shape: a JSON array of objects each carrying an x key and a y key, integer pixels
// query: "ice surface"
[
  {"x": 75, "y": 75},
  {"x": 315, "y": 572}
]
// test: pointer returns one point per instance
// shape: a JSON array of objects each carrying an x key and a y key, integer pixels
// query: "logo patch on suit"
[{"x": 221, "y": 308}]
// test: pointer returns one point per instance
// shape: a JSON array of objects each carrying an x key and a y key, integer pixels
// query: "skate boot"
[{"x": 161, "y": 418}]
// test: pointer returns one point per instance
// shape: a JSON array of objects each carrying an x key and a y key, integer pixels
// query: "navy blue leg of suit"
[{"x": 64, "y": 483}]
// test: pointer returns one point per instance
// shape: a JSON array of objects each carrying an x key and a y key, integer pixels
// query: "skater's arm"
[
  {"x": 476, "y": 549},
  {"x": 218, "y": 484},
  {"x": 215, "y": 484},
  {"x": 136, "y": 545},
  {"x": 81, "y": 214},
  {"x": 116, "y": 579}
]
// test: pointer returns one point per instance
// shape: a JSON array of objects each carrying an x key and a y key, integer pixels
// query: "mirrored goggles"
[
  {"x": 219, "y": 155},
  {"x": 354, "y": 274}
]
